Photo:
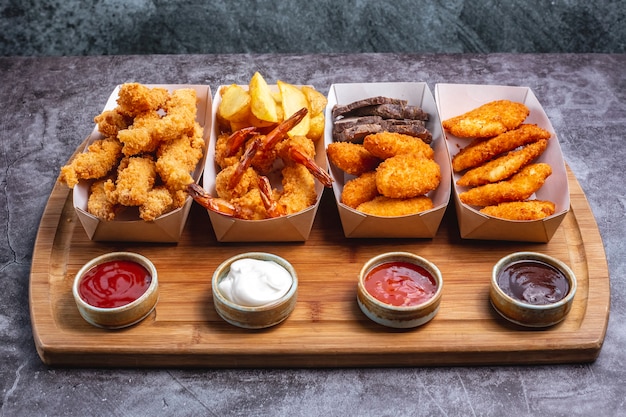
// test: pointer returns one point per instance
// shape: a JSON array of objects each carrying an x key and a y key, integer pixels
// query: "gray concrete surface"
[
  {"x": 114, "y": 27},
  {"x": 48, "y": 111}
]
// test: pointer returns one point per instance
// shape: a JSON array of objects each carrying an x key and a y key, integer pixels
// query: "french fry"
[
  {"x": 317, "y": 100},
  {"x": 293, "y": 99},
  {"x": 262, "y": 103},
  {"x": 235, "y": 106}
]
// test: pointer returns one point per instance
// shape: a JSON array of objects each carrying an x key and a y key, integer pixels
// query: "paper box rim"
[
  {"x": 166, "y": 228},
  {"x": 421, "y": 225},
  {"x": 472, "y": 223},
  {"x": 291, "y": 228}
]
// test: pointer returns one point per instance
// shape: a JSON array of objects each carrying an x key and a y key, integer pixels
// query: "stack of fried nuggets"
[
  {"x": 393, "y": 171},
  {"x": 151, "y": 145},
  {"x": 497, "y": 165}
]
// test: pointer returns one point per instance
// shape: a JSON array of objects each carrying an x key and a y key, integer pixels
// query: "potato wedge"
[
  {"x": 293, "y": 99},
  {"x": 235, "y": 105},
  {"x": 317, "y": 100},
  {"x": 316, "y": 127},
  {"x": 262, "y": 103}
]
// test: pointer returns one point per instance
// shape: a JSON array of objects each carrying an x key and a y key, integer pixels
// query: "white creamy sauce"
[{"x": 253, "y": 282}]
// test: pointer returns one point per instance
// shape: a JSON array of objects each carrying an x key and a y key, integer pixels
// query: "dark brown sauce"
[{"x": 533, "y": 282}]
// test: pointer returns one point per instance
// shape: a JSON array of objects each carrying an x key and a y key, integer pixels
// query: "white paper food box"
[
  {"x": 130, "y": 228},
  {"x": 421, "y": 225},
  {"x": 291, "y": 228},
  {"x": 455, "y": 99}
]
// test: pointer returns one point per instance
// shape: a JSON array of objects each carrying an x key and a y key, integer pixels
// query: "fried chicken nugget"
[
  {"x": 387, "y": 144},
  {"x": 521, "y": 210},
  {"x": 135, "y": 98},
  {"x": 407, "y": 176},
  {"x": 504, "y": 166},
  {"x": 481, "y": 151},
  {"x": 99, "y": 205},
  {"x": 135, "y": 178},
  {"x": 384, "y": 206},
  {"x": 359, "y": 190},
  {"x": 159, "y": 201},
  {"x": 110, "y": 122},
  {"x": 101, "y": 157},
  {"x": 488, "y": 120},
  {"x": 176, "y": 159},
  {"x": 351, "y": 157},
  {"x": 519, "y": 187}
]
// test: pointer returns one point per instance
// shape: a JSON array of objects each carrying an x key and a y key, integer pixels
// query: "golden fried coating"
[
  {"x": 351, "y": 157},
  {"x": 481, "y": 151},
  {"x": 387, "y": 144},
  {"x": 110, "y": 122},
  {"x": 359, "y": 190},
  {"x": 176, "y": 159},
  {"x": 250, "y": 205},
  {"x": 519, "y": 187},
  {"x": 98, "y": 204},
  {"x": 135, "y": 179},
  {"x": 488, "y": 120},
  {"x": 407, "y": 176},
  {"x": 298, "y": 189},
  {"x": 159, "y": 201},
  {"x": 521, "y": 210},
  {"x": 504, "y": 166},
  {"x": 248, "y": 181},
  {"x": 384, "y": 206},
  {"x": 101, "y": 157},
  {"x": 134, "y": 98}
]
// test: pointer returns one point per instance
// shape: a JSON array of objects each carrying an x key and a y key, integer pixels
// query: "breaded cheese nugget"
[
  {"x": 384, "y": 206},
  {"x": 387, "y": 144},
  {"x": 503, "y": 167},
  {"x": 521, "y": 210},
  {"x": 519, "y": 187},
  {"x": 351, "y": 158},
  {"x": 407, "y": 176},
  {"x": 488, "y": 120},
  {"x": 481, "y": 151},
  {"x": 359, "y": 190}
]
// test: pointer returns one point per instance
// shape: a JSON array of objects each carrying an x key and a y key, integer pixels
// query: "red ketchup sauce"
[
  {"x": 533, "y": 282},
  {"x": 114, "y": 284},
  {"x": 400, "y": 283}
]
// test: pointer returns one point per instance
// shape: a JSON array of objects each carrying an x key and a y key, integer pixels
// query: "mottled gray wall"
[{"x": 111, "y": 27}]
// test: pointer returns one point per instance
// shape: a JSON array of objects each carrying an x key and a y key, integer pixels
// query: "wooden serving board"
[{"x": 326, "y": 329}]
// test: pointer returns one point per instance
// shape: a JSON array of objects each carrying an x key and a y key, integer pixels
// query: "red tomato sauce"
[
  {"x": 400, "y": 284},
  {"x": 114, "y": 284}
]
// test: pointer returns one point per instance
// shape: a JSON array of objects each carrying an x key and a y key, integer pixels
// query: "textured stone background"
[{"x": 114, "y": 27}]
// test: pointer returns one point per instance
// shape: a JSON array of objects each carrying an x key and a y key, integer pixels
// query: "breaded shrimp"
[
  {"x": 351, "y": 158},
  {"x": 101, "y": 157},
  {"x": 488, "y": 120},
  {"x": 298, "y": 189},
  {"x": 481, "y": 151},
  {"x": 521, "y": 210},
  {"x": 504, "y": 166},
  {"x": 249, "y": 180},
  {"x": 519, "y": 187},
  {"x": 387, "y": 144},
  {"x": 359, "y": 190},
  {"x": 406, "y": 176},
  {"x": 384, "y": 206}
]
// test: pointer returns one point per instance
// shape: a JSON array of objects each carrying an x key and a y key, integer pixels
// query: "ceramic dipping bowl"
[
  {"x": 532, "y": 289},
  {"x": 399, "y": 270},
  {"x": 116, "y": 290},
  {"x": 261, "y": 316}
]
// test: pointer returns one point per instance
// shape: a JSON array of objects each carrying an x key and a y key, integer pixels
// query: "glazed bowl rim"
[{"x": 536, "y": 256}]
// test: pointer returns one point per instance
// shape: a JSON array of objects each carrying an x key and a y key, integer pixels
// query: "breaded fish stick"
[
  {"x": 387, "y": 144},
  {"x": 520, "y": 187},
  {"x": 481, "y": 151},
  {"x": 384, "y": 206},
  {"x": 521, "y": 210},
  {"x": 488, "y": 120},
  {"x": 503, "y": 167}
]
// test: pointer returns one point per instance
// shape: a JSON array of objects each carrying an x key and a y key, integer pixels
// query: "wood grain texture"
[{"x": 326, "y": 329}]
